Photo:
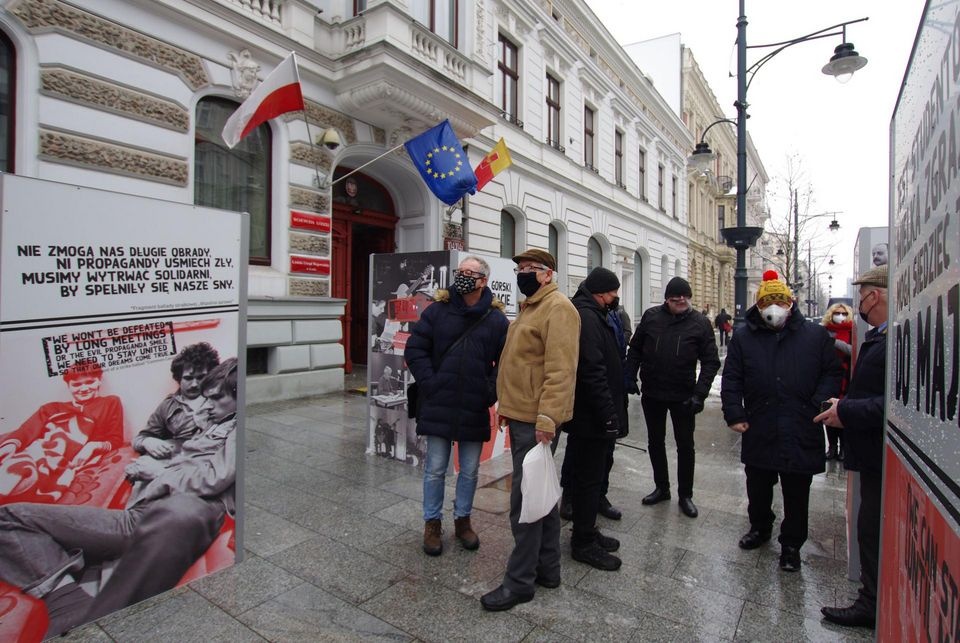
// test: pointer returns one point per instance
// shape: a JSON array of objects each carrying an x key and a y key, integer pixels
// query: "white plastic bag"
[{"x": 540, "y": 487}]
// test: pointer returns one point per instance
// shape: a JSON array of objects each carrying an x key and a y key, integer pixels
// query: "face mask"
[
  {"x": 864, "y": 313},
  {"x": 839, "y": 319},
  {"x": 464, "y": 284},
  {"x": 614, "y": 304},
  {"x": 774, "y": 315},
  {"x": 527, "y": 283}
]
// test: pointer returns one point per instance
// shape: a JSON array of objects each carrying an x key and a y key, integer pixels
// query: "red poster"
[
  {"x": 920, "y": 563},
  {"x": 309, "y": 265},
  {"x": 312, "y": 222}
]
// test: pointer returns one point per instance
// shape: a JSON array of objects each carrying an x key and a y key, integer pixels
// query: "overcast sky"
[{"x": 839, "y": 131}]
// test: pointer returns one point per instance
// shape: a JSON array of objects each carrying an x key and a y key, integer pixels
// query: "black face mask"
[
  {"x": 527, "y": 283},
  {"x": 464, "y": 284},
  {"x": 863, "y": 313},
  {"x": 614, "y": 304}
]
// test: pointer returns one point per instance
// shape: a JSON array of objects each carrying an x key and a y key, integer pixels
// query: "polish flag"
[{"x": 279, "y": 93}]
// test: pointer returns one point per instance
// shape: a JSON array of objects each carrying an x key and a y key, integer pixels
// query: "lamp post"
[{"x": 844, "y": 62}]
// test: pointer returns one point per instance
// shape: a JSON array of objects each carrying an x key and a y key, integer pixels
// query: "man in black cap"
[
  {"x": 599, "y": 417},
  {"x": 860, "y": 415},
  {"x": 666, "y": 347}
]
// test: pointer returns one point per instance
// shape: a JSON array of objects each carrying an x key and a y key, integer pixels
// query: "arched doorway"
[{"x": 364, "y": 223}]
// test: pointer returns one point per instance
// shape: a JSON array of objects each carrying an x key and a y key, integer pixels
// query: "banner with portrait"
[{"x": 121, "y": 387}]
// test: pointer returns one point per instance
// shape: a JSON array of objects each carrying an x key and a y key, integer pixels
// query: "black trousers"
[
  {"x": 835, "y": 438},
  {"x": 795, "y": 488},
  {"x": 868, "y": 537},
  {"x": 655, "y": 415},
  {"x": 586, "y": 465}
]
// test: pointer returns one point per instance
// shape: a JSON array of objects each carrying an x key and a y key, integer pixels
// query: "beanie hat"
[
  {"x": 773, "y": 290},
  {"x": 678, "y": 287},
  {"x": 601, "y": 280}
]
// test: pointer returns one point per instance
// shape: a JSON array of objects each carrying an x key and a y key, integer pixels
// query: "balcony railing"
[
  {"x": 510, "y": 118},
  {"x": 590, "y": 167},
  {"x": 556, "y": 145}
]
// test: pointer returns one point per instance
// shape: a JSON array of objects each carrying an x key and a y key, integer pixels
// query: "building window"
[
  {"x": 8, "y": 66},
  {"x": 594, "y": 254},
  {"x": 588, "y": 138},
  {"x": 508, "y": 70},
  {"x": 441, "y": 16},
  {"x": 643, "y": 174},
  {"x": 359, "y": 6},
  {"x": 618, "y": 160},
  {"x": 508, "y": 235},
  {"x": 237, "y": 179},
  {"x": 553, "y": 241},
  {"x": 721, "y": 220},
  {"x": 673, "y": 197},
  {"x": 553, "y": 112},
  {"x": 638, "y": 302},
  {"x": 660, "y": 203}
]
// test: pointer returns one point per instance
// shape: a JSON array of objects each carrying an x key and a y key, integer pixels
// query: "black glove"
[
  {"x": 695, "y": 404},
  {"x": 633, "y": 388},
  {"x": 611, "y": 428}
]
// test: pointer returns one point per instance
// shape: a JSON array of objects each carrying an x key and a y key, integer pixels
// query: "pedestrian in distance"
[
  {"x": 666, "y": 347},
  {"x": 599, "y": 416},
  {"x": 859, "y": 415},
  {"x": 535, "y": 388},
  {"x": 724, "y": 325},
  {"x": 453, "y": 352},
  {"x": 780, "y": 368}
]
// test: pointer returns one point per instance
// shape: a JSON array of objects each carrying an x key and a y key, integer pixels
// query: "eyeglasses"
[
  {"x": 469, "y": 274},
  {"x": 531, "y": 268},
  {"x": 677, "y": 300}
]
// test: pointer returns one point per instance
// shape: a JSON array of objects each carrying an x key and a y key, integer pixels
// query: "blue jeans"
[{"x": 438, "y": 459}]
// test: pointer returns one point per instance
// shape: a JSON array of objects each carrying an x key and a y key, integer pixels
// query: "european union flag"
[{"x": 442, "y": 163}]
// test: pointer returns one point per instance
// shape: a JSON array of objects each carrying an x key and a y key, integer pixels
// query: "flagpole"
[
  {"x": 370, "y": 162},
  {"x": 306, "y": 119}
]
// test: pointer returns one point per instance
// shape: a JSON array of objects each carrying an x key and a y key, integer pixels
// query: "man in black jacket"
[
  {"x": 860, "y": 415},
  {"x": 666, "y": 347},
  {"x": 599, "y": 411},
  {"x": 779, "y": 369}
]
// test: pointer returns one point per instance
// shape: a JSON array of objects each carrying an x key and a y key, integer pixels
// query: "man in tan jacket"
[{"x": 535, "y": 387}]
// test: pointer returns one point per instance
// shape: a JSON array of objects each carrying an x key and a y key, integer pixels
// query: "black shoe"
[
  {"x": 857, "y": 615},
  {"x": 688, "y": 508},
  {"x": 608, "y": 511},
  {"x": 607, "y": 543},
  {"x": 594, "y": 555},
  {"x": 549, "y": 583},
  {"x": 658, "y": 495},
  {"x": 831, "y": 453},
  {"x": 754, "y": 538},
  {"x": 790, "y": 558},
  {"x": 502, "y": 599},
  {"x": 566, "y": 507}
]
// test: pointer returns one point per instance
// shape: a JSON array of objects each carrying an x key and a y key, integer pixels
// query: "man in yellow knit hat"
[{"x": 780, "y": 368}]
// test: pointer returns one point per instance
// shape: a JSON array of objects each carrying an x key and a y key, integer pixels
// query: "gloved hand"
[
  {"x": 633, "y": 388},
  {"x": 611, "y": 428},
  {"x": 695, "y": 404}
]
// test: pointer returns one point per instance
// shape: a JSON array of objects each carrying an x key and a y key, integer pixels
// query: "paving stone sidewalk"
[{"x": 333, "y": 539}]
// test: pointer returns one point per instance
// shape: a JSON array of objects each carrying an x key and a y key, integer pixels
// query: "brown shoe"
[
  {"x": 432, "y": 544},
  {"x": 465, "y": 533}
]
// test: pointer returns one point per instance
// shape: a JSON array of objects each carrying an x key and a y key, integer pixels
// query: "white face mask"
[
  {"x": 774, "y": 315},
  {"x": 839, "y": 319}
]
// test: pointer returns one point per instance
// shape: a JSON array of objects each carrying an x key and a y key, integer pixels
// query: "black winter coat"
[
  {"x": 666, "y": 348},
  {"x": 600, "y": 394},
  {"x": 776, "y": 381},
  {"x": 861, "y": 409},
  {"x": 457, "y": 393}
]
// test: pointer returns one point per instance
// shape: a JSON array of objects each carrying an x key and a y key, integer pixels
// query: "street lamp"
[{"x": 844, "y": 62}]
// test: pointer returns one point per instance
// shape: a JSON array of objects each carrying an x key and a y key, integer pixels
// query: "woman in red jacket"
[{"x": 838, "y": 320}]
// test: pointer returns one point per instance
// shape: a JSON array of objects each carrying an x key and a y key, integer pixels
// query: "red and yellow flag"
[{"x": 492, "y": 164}]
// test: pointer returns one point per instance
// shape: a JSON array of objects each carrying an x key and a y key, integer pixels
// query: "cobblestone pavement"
[{"x": 333, "y": 538}]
